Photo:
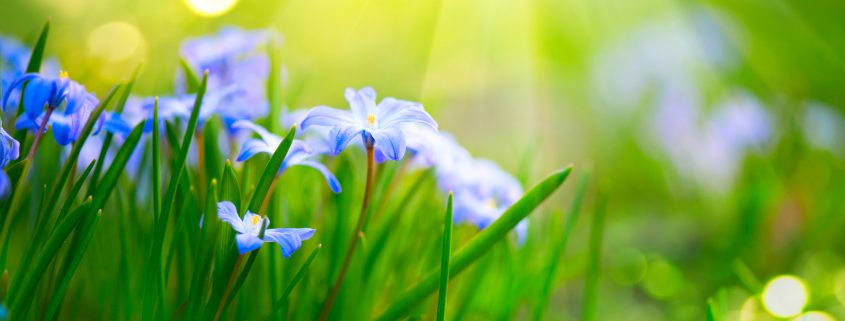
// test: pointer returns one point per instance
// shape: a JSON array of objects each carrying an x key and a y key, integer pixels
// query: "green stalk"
[
  {"x": 594, "y": 263},
  {"x": 444, "y": 261},
  {"x": 282, "y": 303},
  {"x": 358, "y": 233},
  {"x": 478, "y": 245}
]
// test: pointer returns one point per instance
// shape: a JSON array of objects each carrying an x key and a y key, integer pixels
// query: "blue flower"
[
  {"x": 249, "y": 231},
  {"x": 381, "y": 126},
  {"x": 234, "y": 58},
  {"x": 14, "y": 59},
  {"x": 54, "y": 93},
  {"x": 9, "y": 150},
  {"x": 300, "y": 153}
]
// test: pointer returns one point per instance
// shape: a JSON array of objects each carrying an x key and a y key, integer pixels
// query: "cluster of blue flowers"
[{"x": 238, "y": 70}]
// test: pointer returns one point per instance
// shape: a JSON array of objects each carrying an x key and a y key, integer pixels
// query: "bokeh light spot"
[
  {"x": 210, "y": 8},
  {"x": 815, "y": 316},
  {"x": 663, "y": 280},
  {"x": 114, "y": 41},
  {"x": 628, "y": 266},
  {"x": 785, "y": 296}
]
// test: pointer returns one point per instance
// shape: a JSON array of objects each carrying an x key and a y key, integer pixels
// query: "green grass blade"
[
  {"x": 270, "y": 172},
  {"x": 81, "y": 239},
  {"x": 119, "y": 106},
  {"x": 192, "y": 82},
  {"x": 70, "y": 162},
  {"x": 167, "y": 203},
  {"x": 594, "y": 262},
  {"x": 230, "y": 190},
  {"x": 478, "y": 245},
  {"x": 107, "y": 185},
  {"x": 204, "y": 252},
  {"x": 444, "y": 261},
  {"x": 34, "y": 65},
  {"x": 20, "y": 299},
  {"x": 74, "y": 192},
  {"x": 156, "y": 180},
  {"x": 560, "y": 246},
  {"x": 282, "y": 303}
]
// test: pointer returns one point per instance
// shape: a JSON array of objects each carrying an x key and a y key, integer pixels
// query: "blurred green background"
[{"x": 713, "y": 128}]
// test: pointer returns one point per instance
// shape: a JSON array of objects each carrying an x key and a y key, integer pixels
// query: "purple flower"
[
  {"x": 54, "y": 93},
  {"x": 9, "y": 150},
  {"x": 235, "y": 60},
  {"x": 250, "y": 230},
  {"x": 381, "y": 126},
  {"x": 300, "y": 153}
]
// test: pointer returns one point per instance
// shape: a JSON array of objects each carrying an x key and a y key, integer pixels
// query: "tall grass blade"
[{"x": 444, "y": 261}]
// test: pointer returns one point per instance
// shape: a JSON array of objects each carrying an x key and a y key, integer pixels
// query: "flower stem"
[
  {"x": 228, "y": 287},
  {"x": 38, "y": 135},
  {"x": 267, "y": 198},
  {"x": 357, "y": 234}
]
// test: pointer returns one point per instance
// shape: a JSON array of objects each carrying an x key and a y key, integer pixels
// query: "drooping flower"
[
  {"x": 382, "y": 126},
  {"x": 54, "y": 93},
  {"x": 235, "y": 60},
  {"x": 252, "y": 225},
  {"x": 301, "y": 153},
  {"x": 9, "y": 150}
]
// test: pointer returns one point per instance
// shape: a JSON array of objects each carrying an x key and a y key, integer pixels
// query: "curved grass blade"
[
  {"x": 28, "y": 278},
  {"x": 478, "y": 245},
  {"x": 156, "y": 181},
  {"x": 230, "y": 190},
  {"x": 192, "y": 82},
  {"x": 560, "y": 246},
  {"x": 110, "y": 179},
  {"x": 75, "y": 190},
  {"x": 208, "y": 235},
  {"x": 594, "y": 262},
  {"x": 161, "y": 224},
  {"x": 119, "y": 106},
  {"x": 282, "y": 303},
  {"x": 81, "y": 239},
  {"x": 444, "y": 261},
  {"x": 270, "y": 171}
]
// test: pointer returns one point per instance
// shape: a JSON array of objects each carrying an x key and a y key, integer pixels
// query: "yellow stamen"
[
  {"x": 371, "y": 119},
  {"x": 256, "y": 219},
  {"x": 63, "y": 74}
]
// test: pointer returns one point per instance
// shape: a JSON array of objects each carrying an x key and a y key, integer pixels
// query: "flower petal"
[
  {"x": 5, "y": 185},
  {"x": 17, "y": 83},
  {"x": 227, "y": 212},
  {"x": 38, "y": 93},
  {"x": 390, "y": 141},
  {"x": 340, "y": 136},
  {"x": 362, "y": 102},
  {"x": 393, "y": 112},
  {"x": 62, "y": 129},
  {"x": 253, "y": 146},
  {"x": 290, "y": 239},
  {"x": 327, "y": 116},
  {"x": 115, "y": 124},
  {"x": 271, "y": 139},
  {"x": 327, "y": 174},
  {"x": 247, "y": 243}
]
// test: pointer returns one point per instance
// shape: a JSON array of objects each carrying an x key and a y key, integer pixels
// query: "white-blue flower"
[
  {"x": 301, "y": 153},
  {"x": 249, "y": 231},
  {"x": 382, "y": 126}
]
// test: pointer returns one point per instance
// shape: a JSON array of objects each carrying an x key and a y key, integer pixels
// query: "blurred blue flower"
[
  {"x": 300, "y": 153},
  {"x": 483, "y": 191},
  {"x": 235, "y": 60},
  {"x": 54, "y": 93},
  {"x": 249, "y": 231},
  {"x": 381, "y": 126},
  {"x": 9, "y": 150}
]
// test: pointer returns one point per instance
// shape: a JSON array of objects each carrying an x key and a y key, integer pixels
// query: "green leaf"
[
  {"x": 478, "y": 245},
  {"x": 75, "y": 190},
  {"x": 20, "y": 299},
  {"x": 81, "y": 239},
  {"x": 167, "y": 203},
  {"x": 282, "y": 303},
  {"x": 156, "y": 181},
  {"x": 270, "y": 172},
  {"x": 230, "y": 190},
  {"x": 560, "y": 246},
  {"x": 38, "y": 52},
  {"x": 444, "y": 261},
  {"x": 192, "y": 82},
  {"x": 204, "y": 252},
  {"x": 594, "y": 262},
  {"x": 109, "y": 181}
]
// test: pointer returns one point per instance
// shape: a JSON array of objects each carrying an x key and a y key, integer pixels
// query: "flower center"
[
  {"x": 371, "y": 119},
  {"x": 256, "y": 219},
  {"x": 491, "y": 203},
  {"x": 63, "y": 74}
]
